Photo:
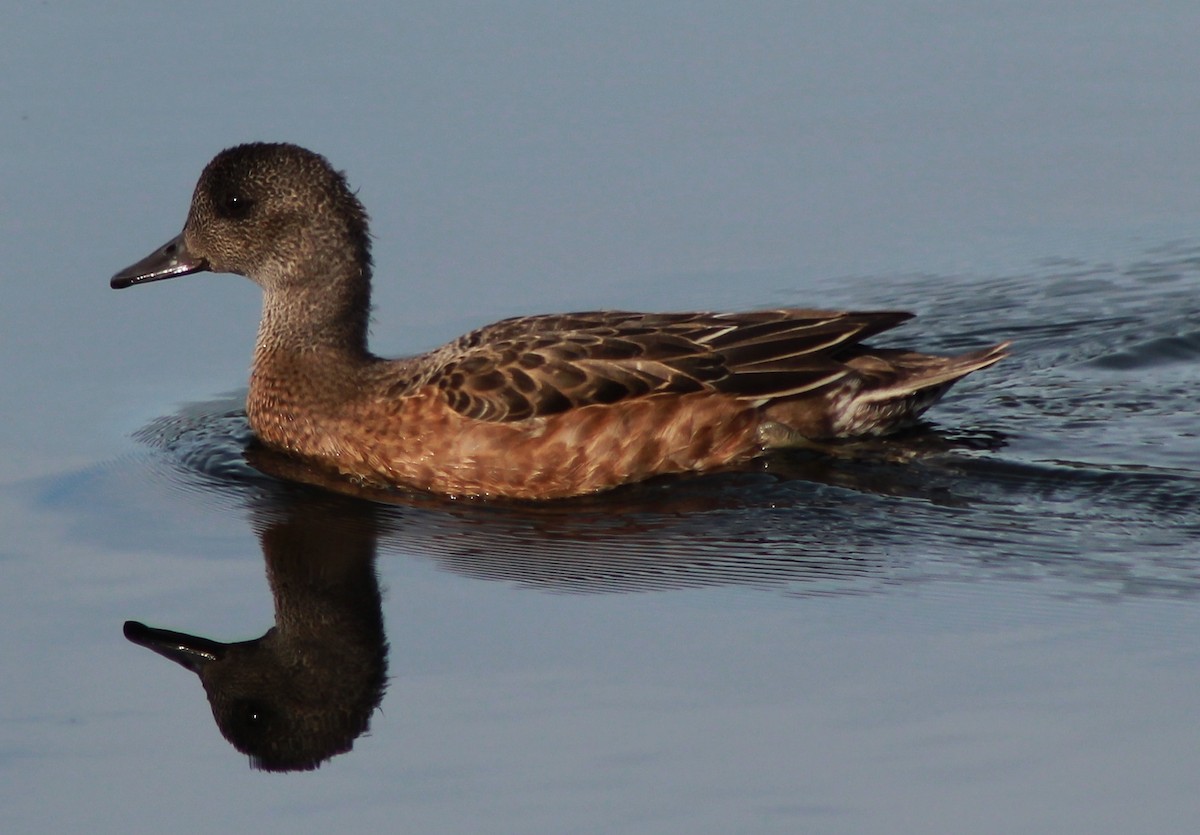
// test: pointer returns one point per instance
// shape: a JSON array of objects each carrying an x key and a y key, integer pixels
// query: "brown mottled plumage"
[{"x": 535, "y": 407}]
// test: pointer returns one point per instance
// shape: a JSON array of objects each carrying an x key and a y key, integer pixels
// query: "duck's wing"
[{"x": 541, "y": 365}]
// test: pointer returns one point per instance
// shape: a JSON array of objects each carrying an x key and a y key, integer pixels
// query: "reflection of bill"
[{"x": 306, "y": 689}]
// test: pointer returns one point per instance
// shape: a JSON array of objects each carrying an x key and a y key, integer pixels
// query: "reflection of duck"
[
  {"x": 307, "y": 688},
  {"x": 536, "y": 407}
]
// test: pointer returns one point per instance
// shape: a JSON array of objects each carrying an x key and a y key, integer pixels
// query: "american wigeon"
[{"x": 535, "y": 407}]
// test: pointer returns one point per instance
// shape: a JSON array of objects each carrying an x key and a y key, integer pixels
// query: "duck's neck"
[
  {"x": 321, "y": 567},
  {"x": 325, "y": 320}
]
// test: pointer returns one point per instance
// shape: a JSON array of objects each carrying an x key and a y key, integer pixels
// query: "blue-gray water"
[{"x": 994, "y": 634}]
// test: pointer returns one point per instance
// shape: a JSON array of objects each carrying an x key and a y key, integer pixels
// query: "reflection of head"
[
  {"x": 288, "y": 705},
  {"x": 306, "y": 689}
]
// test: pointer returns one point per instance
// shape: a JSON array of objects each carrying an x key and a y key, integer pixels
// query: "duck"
[{"x": 535, "y": 407}]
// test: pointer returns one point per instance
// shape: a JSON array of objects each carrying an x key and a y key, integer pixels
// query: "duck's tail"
[{"x": 887, "y": 391}]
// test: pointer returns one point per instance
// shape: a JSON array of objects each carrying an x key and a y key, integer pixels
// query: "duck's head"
[{"x": 276, "y": 213}]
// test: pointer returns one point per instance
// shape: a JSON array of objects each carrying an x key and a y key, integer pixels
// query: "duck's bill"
[
  {"x": 191, "y": 651},
  {"x": 168, "y": 261}
]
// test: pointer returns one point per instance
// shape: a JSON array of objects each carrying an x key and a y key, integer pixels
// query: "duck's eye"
[{"x": 235, "y": 206}]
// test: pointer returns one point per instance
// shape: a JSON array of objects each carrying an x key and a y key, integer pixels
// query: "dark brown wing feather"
[{"x": 540, "y": 365}]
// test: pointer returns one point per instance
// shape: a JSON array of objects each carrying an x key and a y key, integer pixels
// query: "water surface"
[{"x": 988, "y": 626}]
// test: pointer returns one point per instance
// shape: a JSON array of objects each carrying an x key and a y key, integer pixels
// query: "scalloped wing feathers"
[{"x": 542, "y": 365}]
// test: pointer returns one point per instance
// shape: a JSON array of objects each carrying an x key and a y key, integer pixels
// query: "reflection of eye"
[
  {"x": 235, "y": 206},
  {"x": 251, "y": 716}
]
